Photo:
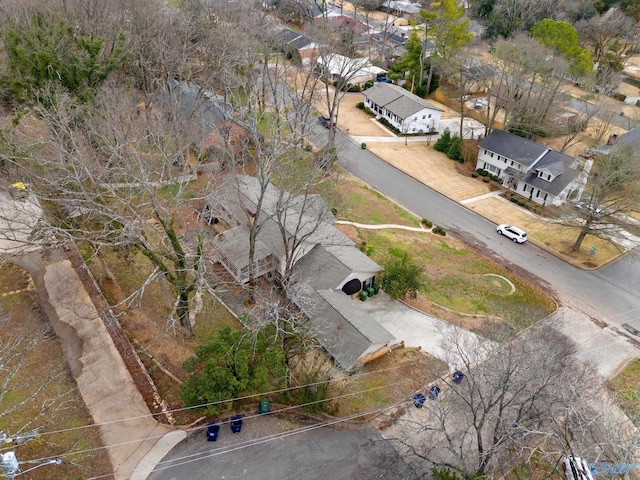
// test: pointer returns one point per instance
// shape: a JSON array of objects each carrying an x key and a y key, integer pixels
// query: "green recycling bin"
[
  {"x": 363, "y": 146},
  {"x": 264, "y": 406}
]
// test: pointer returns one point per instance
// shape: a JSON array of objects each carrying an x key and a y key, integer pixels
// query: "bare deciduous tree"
[
  {"x": 510, "y": 391},
  {"x": 611, "y": 194},
  {"x": 112, "y": 177}
]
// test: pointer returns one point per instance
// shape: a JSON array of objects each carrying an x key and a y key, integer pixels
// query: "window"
[
  {"x": 524, "y": 189},
  {"x": 429, "y": 116},
  {"x": 538, "y": 194},
  {"x": 415, "y": 119},
  {"x": 491, "y": 154},
  {"x": 424, "y": 116},
  {"x": 545, "y": 196},
  {"x": 492, "y": 168},
  {"x": 549, "y": 177}
]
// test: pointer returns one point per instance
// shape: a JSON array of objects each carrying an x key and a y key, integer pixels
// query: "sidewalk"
[{"x": 103, "y": 379}]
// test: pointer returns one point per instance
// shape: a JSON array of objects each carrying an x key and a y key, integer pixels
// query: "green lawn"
[{"x": 454, "y": 273}]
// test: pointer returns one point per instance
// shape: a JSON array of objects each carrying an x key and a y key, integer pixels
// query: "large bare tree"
[
  {"x": 611, "y": 195},
  {"x": 116, "y": 174},
  {"x": 514, "y": 394}
]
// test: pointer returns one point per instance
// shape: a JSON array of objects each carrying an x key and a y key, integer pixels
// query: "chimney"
[{"x": 613, "y": 139}]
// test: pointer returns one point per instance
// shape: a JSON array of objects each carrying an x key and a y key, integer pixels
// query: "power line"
[
  {"x": 190, "y": 430},
  {"x": 223, "y": 450},
  {"x": 217, "y": 402}
]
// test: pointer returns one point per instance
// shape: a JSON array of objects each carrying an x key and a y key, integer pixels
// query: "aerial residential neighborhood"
[{"x": 307, "y": 240}]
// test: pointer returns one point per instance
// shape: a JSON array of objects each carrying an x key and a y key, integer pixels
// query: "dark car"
[{"x": 325, "y": 120}]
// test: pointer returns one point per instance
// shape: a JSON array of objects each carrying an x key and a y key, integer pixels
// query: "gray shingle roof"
[
  {"x": 397, "y": 100},
  {"x": 194, "y": 104},
  {"x": 343, "y": 327},
  {"x": 632, "y": 138},
  {"x": 513, "y": 147},
  {"x": 295, "y": 39},
  {"x": 560, "y": 165}
]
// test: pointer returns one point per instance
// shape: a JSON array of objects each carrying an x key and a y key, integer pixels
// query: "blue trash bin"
[
  {"x": 236, "y": 423},
  {"x": 418, "y": 400},
  {"x": 434, "y": 392},
  {"x": 212, "y": 432},
  {"x": 457, "y": 376}
]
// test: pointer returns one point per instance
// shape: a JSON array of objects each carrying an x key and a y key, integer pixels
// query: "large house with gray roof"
[
  {"x": 325, "y": 270},
  {"x": 402, "y": 109},
  {"x": 532, "y": 170},
  {"x": 631, "y": 138}
]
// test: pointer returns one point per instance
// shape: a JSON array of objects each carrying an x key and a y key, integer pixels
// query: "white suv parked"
[{"x": 514, "y": 233}]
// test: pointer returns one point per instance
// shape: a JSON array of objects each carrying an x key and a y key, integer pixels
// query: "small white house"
[
  {"x": 402, "y": 109},
  {"x": 356, "y": 71}
]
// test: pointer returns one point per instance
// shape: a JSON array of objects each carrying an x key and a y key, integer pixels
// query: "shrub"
[
  {"x": 486, "y": 179},
  {"x": 444, "y": 142},
  {"x": 360, "y": 105},
  {"x": 420, "y": 90},
  {"x": 368, "y": 111},
  {"x": 233, "y": 364},
  {"x": 619, "y": 96},
  {"x": 454, "y": 152},
  {"x": 482, "y": 172},
  {"x": 388, "y": 124},
  {"x": 439, "y": 230},
  {"x": 426, "y": 223},
  {"x": 368, "y": 84},
  {"x": 475, "y": 174},
  {"x": 354, "y": 88},
  {"x": 402, "y": 277}
]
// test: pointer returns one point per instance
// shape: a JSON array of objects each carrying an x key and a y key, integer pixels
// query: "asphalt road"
[
  {"x": 609, "y": 295},
  {"x": 320, "y": 454}
]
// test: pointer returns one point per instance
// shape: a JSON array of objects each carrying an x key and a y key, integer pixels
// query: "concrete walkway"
[{"x": 103, "y": 379}]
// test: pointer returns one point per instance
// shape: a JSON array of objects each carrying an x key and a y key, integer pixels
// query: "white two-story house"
[
  {"x": 402, "y": 109},
  {"x": 532, "y": 170}
]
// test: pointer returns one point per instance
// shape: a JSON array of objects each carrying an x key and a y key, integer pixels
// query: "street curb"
[{"x": 156, "y": 454}]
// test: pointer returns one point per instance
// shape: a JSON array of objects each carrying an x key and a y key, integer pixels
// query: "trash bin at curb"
[
  {"x": 418, "y": 400},
  {"x": 212, "y": 432},
  {"x": 236, "y": 423},
  {"x": 264, "y": 406},
  {"x": 363, "y": 146},
  {"x": 434, "y": 392}
]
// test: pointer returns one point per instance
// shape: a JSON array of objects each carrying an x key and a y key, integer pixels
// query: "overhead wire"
[
  {"x": 191, "y": 430},
  {"x": 229, "y": 400},
  {"x": 183, "y": 460}
]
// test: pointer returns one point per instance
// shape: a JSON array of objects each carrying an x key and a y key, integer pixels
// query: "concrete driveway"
[{"x": 416, "y": 329}]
